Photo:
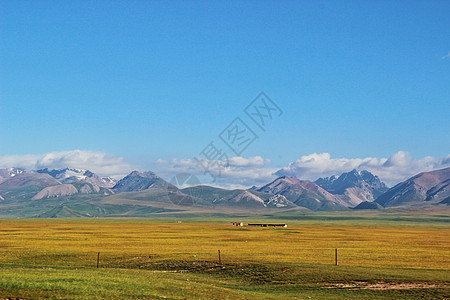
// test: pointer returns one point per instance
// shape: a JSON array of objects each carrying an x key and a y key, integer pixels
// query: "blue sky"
[{"x": 148, "y": 80}]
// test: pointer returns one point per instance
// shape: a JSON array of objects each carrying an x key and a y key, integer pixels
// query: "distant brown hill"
[
  {"x": 427, "y": 187},
  {"x": 304, "y": 193}
]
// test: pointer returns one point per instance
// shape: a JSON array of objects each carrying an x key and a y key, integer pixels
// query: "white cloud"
[
  {"x": 237, "y": 172},
  {"x": 446, "y": 56},
  {"x": 392, "y": 170},
  {"x": 100, "y": 163},
  {"x": 161, "y": 162},
  {"x": 254, "y": 161}
]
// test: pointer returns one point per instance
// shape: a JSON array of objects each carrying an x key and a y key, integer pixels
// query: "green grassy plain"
[{"x": 381, "y": 257}]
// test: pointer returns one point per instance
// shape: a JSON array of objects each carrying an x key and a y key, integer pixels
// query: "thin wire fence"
[{"x": 139, "y": 259}]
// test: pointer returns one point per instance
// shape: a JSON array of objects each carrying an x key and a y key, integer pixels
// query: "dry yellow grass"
[
  {"x": 145, "y": 259},
  {"x": 76, "y": 243}
]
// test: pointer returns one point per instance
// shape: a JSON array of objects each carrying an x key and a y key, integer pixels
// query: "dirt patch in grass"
[
  {"x": 385, "y": 285},
  {"x": 254, "y": 273}
]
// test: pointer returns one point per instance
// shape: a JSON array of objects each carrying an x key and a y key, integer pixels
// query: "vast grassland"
[{"x": 155, "y": 259}]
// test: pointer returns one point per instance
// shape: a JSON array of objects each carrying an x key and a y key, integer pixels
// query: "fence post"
[
  {"x": 220, "y": 260},
  {"x": 335, "y": 257},
  {"x": 98, "y": 258}
]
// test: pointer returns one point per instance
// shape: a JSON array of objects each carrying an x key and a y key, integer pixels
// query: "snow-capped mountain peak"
[
  {"x": 70, "y": 175},
  {"x": 14, "y": 171},
  {"x": 9, "y": 172}
]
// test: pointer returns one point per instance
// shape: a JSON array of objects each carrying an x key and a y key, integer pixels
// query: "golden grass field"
[{"x": 142, "y": 258}]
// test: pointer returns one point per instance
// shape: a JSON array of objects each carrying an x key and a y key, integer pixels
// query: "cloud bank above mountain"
[
  {"x": 101, "y": 163},
  {"x": 245, "y": 172},
  {"x": 392, "y": 170},
  {"x": 237, "y": 172}
]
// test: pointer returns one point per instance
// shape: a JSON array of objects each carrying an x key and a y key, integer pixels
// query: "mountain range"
[{"x": 74, "y": 192}]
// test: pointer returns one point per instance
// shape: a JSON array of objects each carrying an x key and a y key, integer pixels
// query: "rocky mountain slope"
[
  {"x": 138, "y": 181},
  {"x": 354, "y": 187},
  {"x": 426, "y": 187},
  {"x": 29, "y": 179},
  {"x": 304, "y": 193},
  {"x": 56, "y": 191},
  {"x": 68, "y": 189},
  {"x": 8, "y": 173}
]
